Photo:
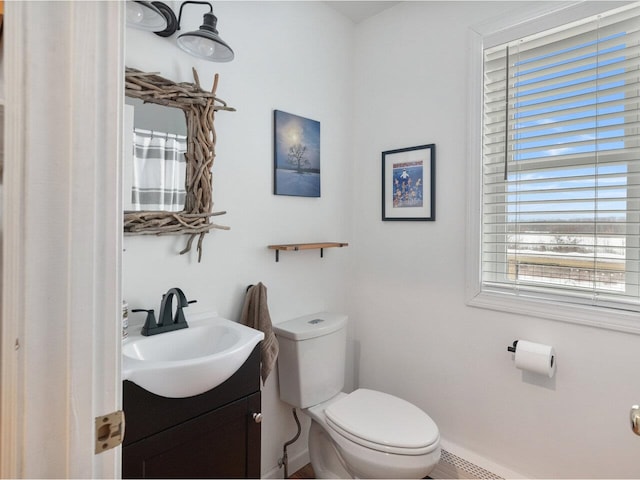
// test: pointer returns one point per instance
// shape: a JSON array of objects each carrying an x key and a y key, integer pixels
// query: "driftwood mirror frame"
[{"x": 199, "y": 107}]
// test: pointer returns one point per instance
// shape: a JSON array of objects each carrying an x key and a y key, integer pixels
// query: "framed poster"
[{"x": 408, "y": 183}]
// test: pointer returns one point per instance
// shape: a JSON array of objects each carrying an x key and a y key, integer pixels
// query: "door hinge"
[{"x": 109, "y": 431}]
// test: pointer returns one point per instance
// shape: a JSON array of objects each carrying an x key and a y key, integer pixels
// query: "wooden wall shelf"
[{"x": 306, "y": 246}]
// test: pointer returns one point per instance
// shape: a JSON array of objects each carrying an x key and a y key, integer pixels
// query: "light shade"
[
  {"x": 205, "y": 42},
  {"x": 145, "y": 16}
]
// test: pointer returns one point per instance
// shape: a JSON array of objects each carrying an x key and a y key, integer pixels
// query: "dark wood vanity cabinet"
[{"x": 212, "y": 435}]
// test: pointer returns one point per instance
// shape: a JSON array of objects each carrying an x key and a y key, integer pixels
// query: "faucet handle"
[
  {"x": 179, "y": 317},
  {"x": 149, "y": 323}
]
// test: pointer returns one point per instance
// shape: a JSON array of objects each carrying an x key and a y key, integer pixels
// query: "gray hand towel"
[{"x": 255, "y": 314}]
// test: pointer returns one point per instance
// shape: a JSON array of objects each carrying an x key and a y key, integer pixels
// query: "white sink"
[{"x": 191, "y": 361}]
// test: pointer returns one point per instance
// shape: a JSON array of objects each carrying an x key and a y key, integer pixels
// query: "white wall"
[
  {"x": 416, "y": 337},
  {"x": 290, "y": 56}
]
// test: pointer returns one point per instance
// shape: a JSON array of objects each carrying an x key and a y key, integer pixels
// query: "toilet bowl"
[
  {"x": 363, "y": 434},
  {"x": 370, "y": 434}
]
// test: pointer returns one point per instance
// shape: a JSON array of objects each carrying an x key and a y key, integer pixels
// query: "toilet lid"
[{"x": 380, "y": 419}]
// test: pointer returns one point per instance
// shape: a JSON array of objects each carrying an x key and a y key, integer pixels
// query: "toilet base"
[
  {"x": 325, "y": 459},
  {"x": 331, "y": 460}
]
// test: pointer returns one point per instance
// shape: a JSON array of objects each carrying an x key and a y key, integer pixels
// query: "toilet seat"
[{"x": 383, "y": 422}]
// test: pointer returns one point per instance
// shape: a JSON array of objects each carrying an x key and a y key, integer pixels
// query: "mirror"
[
  {"x": 154, "y": 163},
  {"x": 199, "y": 108}
]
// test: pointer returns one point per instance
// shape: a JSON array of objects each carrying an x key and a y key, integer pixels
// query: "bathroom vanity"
[{"x": 212, "y": 435}]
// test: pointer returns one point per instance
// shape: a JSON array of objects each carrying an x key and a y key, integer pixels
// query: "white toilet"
[{"x": 364, "y": 434}]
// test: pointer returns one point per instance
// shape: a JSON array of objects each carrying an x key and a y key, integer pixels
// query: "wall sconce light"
[
  {"x": 204, "y": 42},
  {"x": 145, "y": 16}
]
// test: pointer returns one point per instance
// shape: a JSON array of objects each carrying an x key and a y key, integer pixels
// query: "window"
[{"x": 561, "y": 164}]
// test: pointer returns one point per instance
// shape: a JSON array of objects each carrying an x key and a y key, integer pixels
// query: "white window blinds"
[{"x": 561, "y": 163}]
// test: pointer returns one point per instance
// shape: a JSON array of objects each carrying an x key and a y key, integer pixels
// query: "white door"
[{"x": 62, "y": 236}]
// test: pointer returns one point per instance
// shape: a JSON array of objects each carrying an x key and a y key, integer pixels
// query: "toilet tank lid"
[{"x": 310, "y": 326}]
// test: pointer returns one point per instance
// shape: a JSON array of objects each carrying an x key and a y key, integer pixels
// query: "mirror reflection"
[{"x": 155, "y": 165}]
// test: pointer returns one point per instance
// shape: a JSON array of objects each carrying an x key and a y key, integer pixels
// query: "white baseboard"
[{"x": 296, "y": 462}]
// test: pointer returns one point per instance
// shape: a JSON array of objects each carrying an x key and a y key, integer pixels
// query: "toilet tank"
[{"x": 311, "y": 361}]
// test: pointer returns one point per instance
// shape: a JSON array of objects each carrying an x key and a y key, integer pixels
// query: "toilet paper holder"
[{"x": 513, "y": 348}]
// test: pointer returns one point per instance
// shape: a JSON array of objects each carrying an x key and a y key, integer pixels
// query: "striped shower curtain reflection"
[{"x": 158, "y": 171}]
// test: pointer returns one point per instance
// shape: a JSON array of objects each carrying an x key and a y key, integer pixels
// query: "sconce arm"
[{"x": 192, "y": 1}]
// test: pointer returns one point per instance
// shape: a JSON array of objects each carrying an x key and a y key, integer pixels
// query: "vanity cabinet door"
[{"x": 223, "y": 443}]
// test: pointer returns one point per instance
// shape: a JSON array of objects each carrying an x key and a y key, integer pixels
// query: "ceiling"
[{"x": 358, "y": 11}]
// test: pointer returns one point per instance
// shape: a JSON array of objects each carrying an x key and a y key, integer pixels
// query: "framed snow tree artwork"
[{"x": 296, "y": 155}]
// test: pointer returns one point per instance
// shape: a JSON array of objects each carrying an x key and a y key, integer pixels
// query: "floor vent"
[{"x": 452, "y": 466}]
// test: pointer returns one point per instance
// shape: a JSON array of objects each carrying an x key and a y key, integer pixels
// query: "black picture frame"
[{"x": 409, "y": 184}]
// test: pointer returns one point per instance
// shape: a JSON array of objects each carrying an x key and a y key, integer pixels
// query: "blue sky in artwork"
[{"x": 291, "y": 130}]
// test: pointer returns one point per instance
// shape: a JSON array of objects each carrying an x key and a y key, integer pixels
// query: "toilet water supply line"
[{"x": 284, "y": 461}]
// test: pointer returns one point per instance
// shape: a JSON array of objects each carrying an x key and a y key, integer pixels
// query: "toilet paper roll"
[{"x": 535, "y": 357}]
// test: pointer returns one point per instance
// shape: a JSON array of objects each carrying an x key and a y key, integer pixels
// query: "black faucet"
[{"x": 167, "y": 322}]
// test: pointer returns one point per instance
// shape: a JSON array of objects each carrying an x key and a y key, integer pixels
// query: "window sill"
[{"x": 599, "y": 317}]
